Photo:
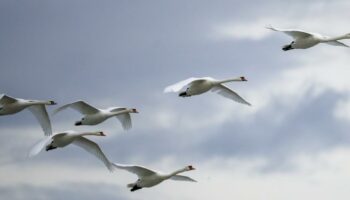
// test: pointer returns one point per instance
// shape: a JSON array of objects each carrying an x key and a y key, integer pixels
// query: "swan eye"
[{"x": 83, "y": 119}]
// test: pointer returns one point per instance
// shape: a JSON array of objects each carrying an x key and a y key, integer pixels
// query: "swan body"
[
  {"x": 304, "y": 40},
  {"x": 150, "y": 178},
  {"x": 60, "y": 140},
  {"x": 10, "y": 105},
  {"x": 93, "y": 116},
  {"x": 197, "y": 86}
]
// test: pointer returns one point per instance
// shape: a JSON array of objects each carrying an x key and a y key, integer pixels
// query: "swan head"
[
  {"x": 52, "y": 103},
  {"x": 189, "y": 168},
  {"x": 100, "y": 133},
  {"x": 133, "y": 110},
  {"x": 243, "y": 78}
]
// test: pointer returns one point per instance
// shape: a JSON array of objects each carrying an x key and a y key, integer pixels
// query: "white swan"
[
  {"x": 59, "y": 140},
  {"x": 198, "y": 86},
  {"x": 304, "y": 40},
  {"x": 93, "y": 116},
  {"x": 10, "y": 105},
  {"x": 150, "y": 178}
]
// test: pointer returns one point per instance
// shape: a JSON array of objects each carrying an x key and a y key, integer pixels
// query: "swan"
[
  {"x": 304, "y": 40},
  {"x": 150, "y": 178},
  {"x": 10, "y": 105},
  {"x": 196, "y": 86},
  {"x": 62, "y": 139},
  {"x": 93, "y": 116}
]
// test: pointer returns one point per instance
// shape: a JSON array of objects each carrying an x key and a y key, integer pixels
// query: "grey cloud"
[
  {"x": 307, "y": 130},
  {"x": 126, "y": 53},
  {"x": 73, "y": 191}
]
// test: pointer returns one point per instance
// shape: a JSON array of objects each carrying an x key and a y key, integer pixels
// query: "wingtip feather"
[{"x": 167, "y": 90}]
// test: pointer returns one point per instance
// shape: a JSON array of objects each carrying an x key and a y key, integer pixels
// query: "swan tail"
[
  {"x": 130, "y": 185},
  {"x": 269, "y": 26}
]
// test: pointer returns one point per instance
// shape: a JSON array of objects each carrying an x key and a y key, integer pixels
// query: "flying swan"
[
  {"x": 150, "y": 178},
  {"x": 62, "y": 139},
  {"x": 196, "y": 86},
  {"x": 10, "y": 105},
  {"x": 304, "y": 40},
  {"x": 93, "y": 116}
]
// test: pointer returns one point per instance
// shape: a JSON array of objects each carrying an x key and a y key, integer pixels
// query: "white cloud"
[
  {"x": 255, "y": 31},
  {"x": 253, "y": 27},
  {"x": 316, "y": 177}
]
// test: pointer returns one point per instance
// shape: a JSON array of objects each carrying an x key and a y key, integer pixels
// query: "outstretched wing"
[
  {"x": 182, "y": 178},
  {"x": 296, "y": 34},
  {"x": 94, "y": 149},
  {"x": 178, "y": 86},
  {"x": 138, "y": 170},
  {"x": 228, "y": 93},
  {"x": 40, "y": 146},
  {"x": 336, "y": 43},
  {"x": 79, "y": 106},
  {"x": 7, "y": 99},
  {"x": 124, "y": 118},
  {"x": 40, "y": 113}
]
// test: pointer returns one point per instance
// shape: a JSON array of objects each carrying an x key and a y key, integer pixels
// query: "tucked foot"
[
  {"x": 135, "y": 188},
  {"x": 48, "y": 148},
  {"x": 78, "y": 123},
  {"x": 287, "y": 47},
  {"x": 184, "y": 94}
]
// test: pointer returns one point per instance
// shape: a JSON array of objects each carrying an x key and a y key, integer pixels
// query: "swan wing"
[
  {"x": 178, "y": 86},
  {"x": 138, "y": 170},
  {"x": 336, "y": 43},
  {"x": 79, "y": 106},
  {"x": 294, "y": 33},
  {"x": 39, "y": 146},
  {"x": 228, "y": 93},
  {"x": 40, "y": 113},
  {"x": 182, "y": 178},
  {"x": 7, "y": 99},
  {"x": 125, "y": 120},
  {"x": 94, "y": 149}
]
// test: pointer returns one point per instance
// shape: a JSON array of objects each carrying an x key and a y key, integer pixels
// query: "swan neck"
[
  {"x": 175, "y": 173},
  {"x": 229, "y": 80},
  {"x": 39, "y": 103},
  {"x": 346, "y": 36},
  {"x": 89, "y": 133},
  {"x": 120, "y": 112}
]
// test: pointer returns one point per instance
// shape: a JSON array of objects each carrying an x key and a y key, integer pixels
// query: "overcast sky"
[{"x": 293, "y": 143}]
